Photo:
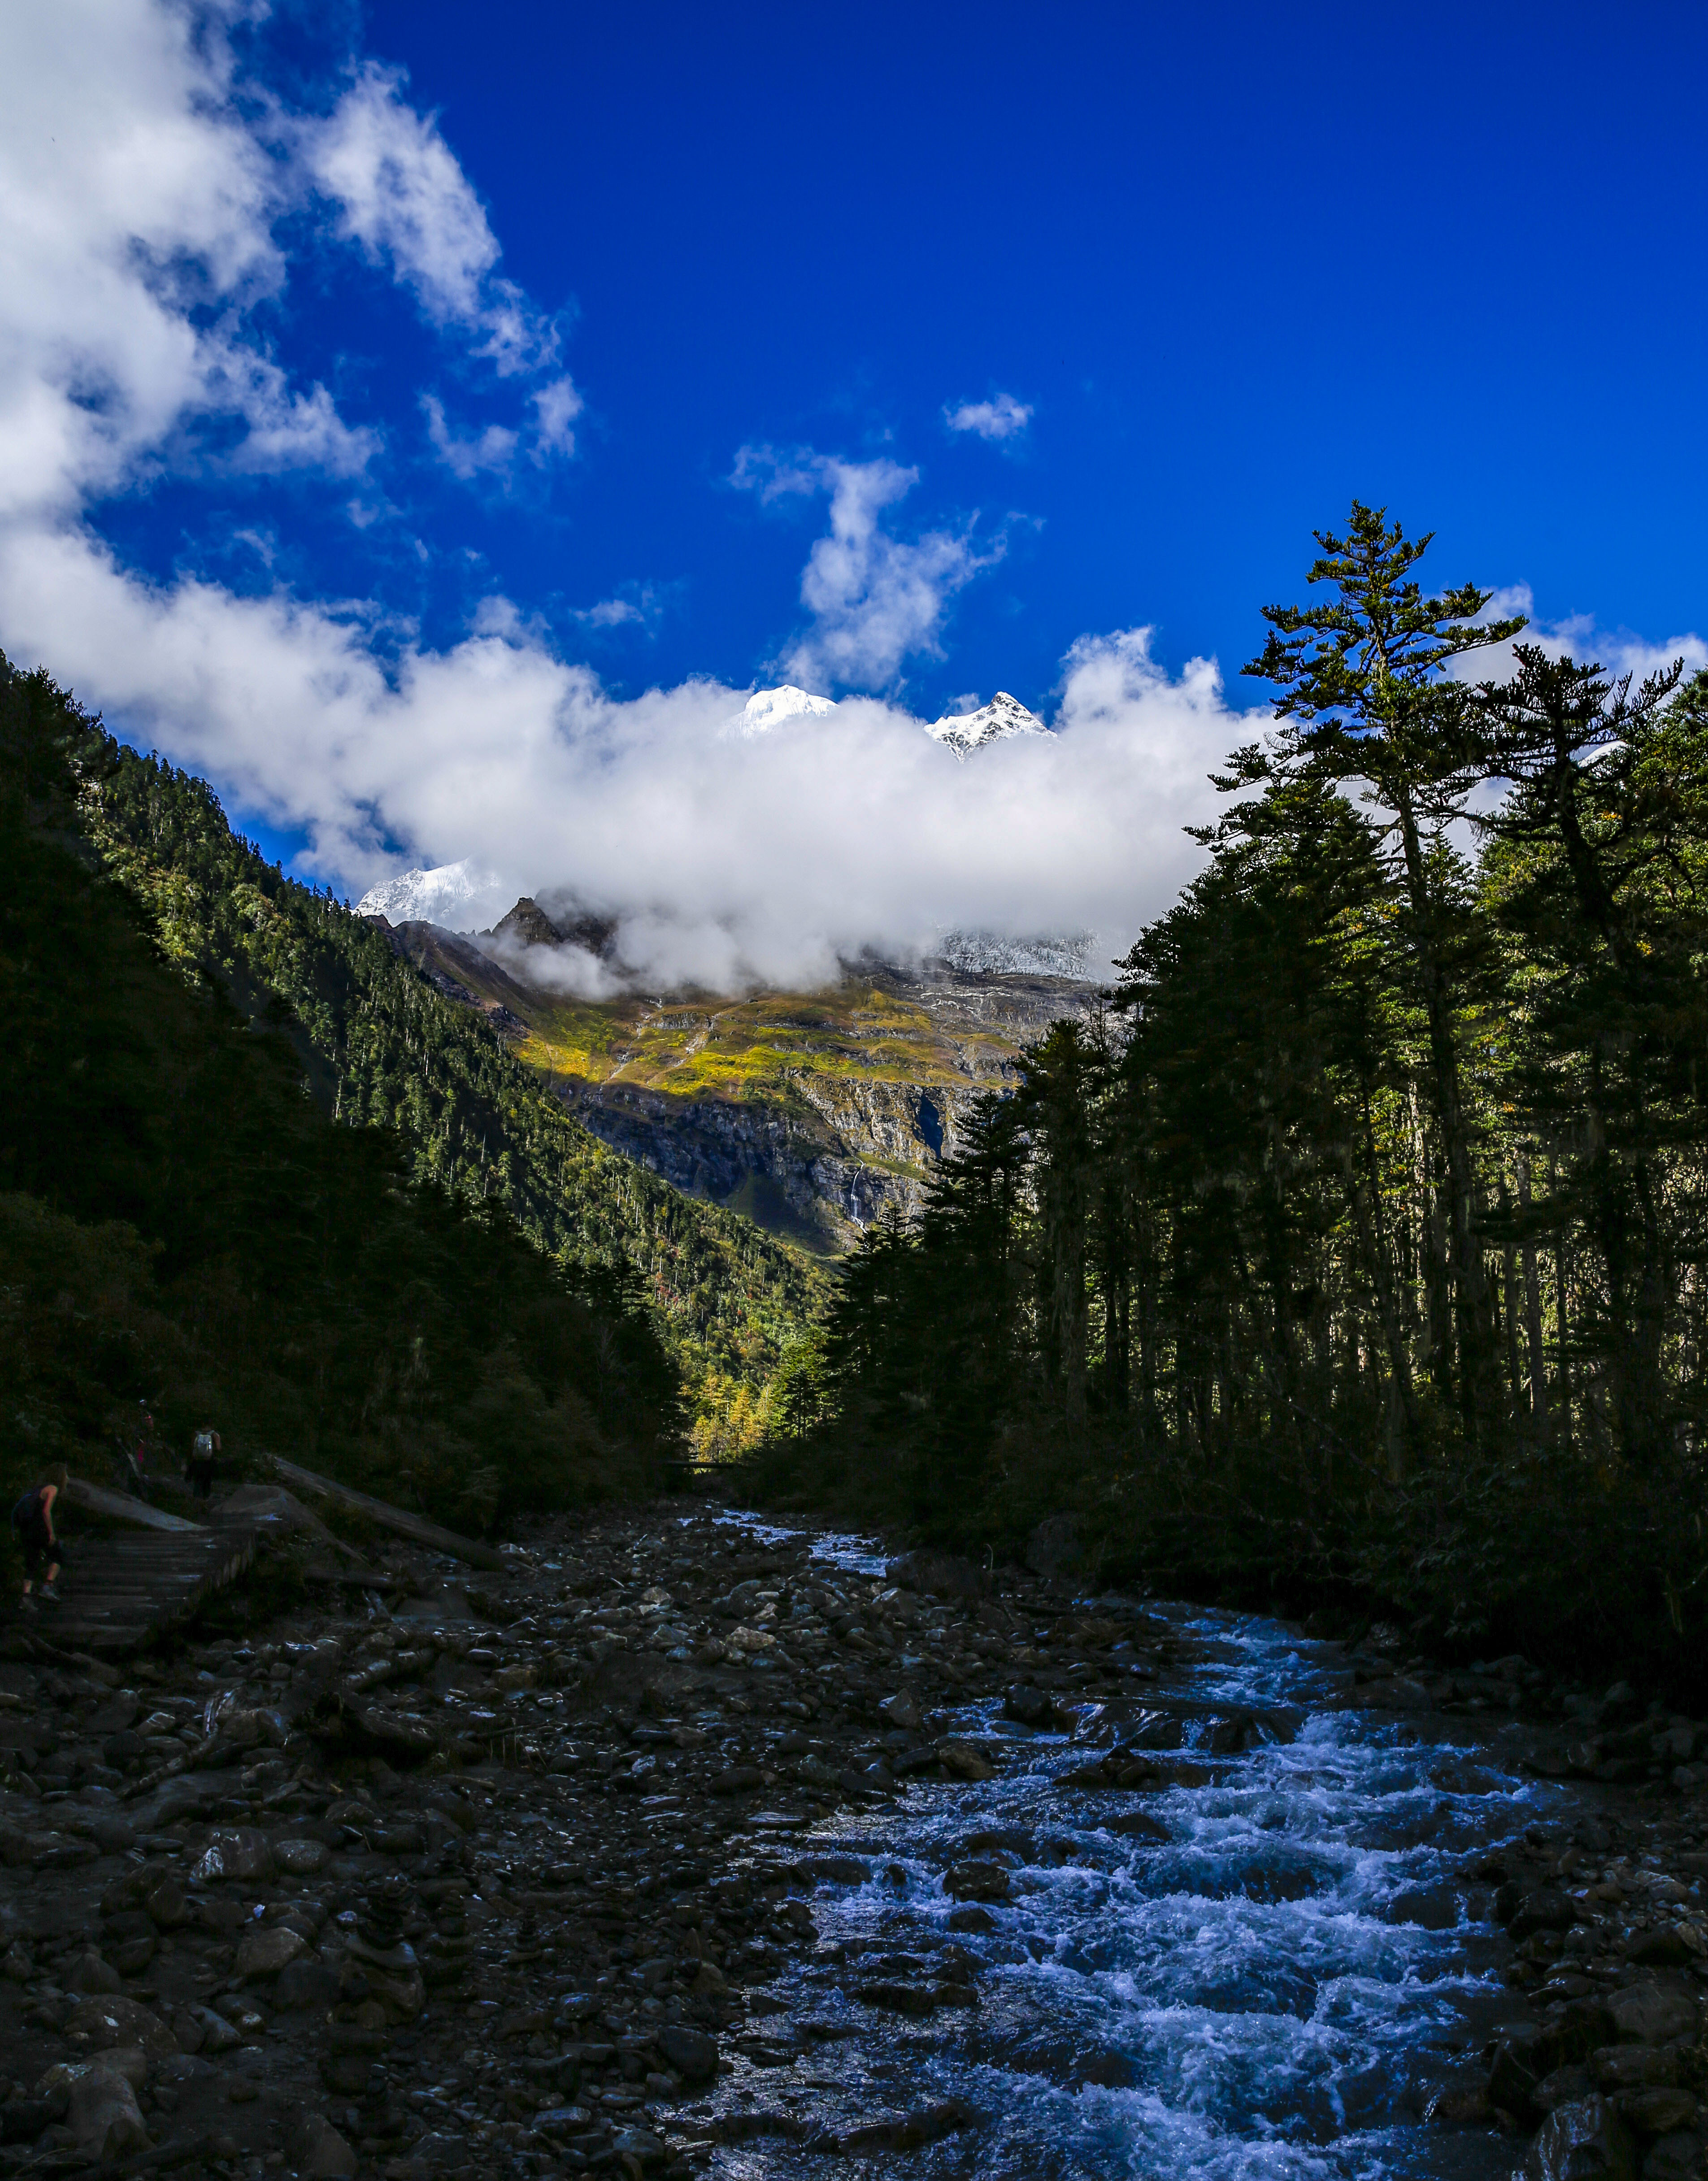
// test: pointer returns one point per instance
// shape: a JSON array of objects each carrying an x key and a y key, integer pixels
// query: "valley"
[{"x": 812, "y": 1112}]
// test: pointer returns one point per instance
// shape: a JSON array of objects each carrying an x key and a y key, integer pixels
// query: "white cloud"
[
  {"x": 1576, "y": 636},
  {"x": 136, "y": 216},
  {"x": 775, "y": 473},
  {"x": 875, "y": 600},
  {"x": 466, "y": 454},
  {"x": 1001, "y": 417},
  {"x": 557, "y": 407},
  {"x": 132, "y": 250},
  {"x": 729, "y": 860},
  {"x": 638, "y": 606}
]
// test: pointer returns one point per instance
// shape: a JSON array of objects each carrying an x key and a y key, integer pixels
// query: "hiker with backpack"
[
  {"x": 33, "y": 1518},
  {"x": 199, "y": 1462}
]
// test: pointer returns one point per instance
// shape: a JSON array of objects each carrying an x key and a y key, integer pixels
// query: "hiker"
[
  {"x": 33, "y": 1518},
  {"x": 133, "y": 1451},
  {"x": 198, "y": 1464}
]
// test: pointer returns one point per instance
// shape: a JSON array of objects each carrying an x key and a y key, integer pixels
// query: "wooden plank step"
[{"x": 119, "y": 1590}]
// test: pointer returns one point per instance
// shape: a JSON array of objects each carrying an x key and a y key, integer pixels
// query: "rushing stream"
[{"x": 1273, "y": 1988}]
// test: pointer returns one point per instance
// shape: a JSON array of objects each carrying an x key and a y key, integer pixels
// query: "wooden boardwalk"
[{"x": 116, "y": 1592}]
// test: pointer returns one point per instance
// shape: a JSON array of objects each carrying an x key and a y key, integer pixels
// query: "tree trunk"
[{"x": 1479, "y": 1377}]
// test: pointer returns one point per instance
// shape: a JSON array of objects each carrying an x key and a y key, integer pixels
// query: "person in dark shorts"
[
  {"x": 199, "y": 1462},
  {"x": 33, "y": 1518}
]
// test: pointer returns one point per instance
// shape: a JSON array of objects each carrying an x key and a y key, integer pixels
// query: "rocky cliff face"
[{"x": 813, "y": 1112}]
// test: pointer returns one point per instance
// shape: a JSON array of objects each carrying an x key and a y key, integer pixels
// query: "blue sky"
[{"x": 374, "y": 367}]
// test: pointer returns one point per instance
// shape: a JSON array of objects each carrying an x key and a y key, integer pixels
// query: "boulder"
[
  {"x": 690, "y": 2053},
  {"x": 166, "y": 1905},
  {"x": 975, "y": 1879},
  {"x": 113, "y": 2020},
  {"x": 964, "y": 1761},
  {"x": 902, "y": 1710},
  {"x": 236, "y": 1851},
  {"x": 1029, "y": 1707},
  {"x": 103, "y": 2115},
  {"x": 1584, "y": 2140},
  {"x": 299, "y": 1858},
  {"x": 1054, "y": 1548},
  {"x": 266, "y": 1948},
  {"x": 1674, "y": 2158},
  {"x": 218, "y": 2035},
  {"x": 1658, "y": 2112},
  {"x": 316, "y": 2150},
  {"x": 943, "y": 1574},
  {"x": 1668, "y": 1946},
  {"x": 1651, "y": 2014},
  {"x": 1546, "y": 1909},
  {"x": 89, "y": 1973}
]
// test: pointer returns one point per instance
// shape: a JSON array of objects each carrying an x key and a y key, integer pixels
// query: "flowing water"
[{"x": 1273, "y": 1988}]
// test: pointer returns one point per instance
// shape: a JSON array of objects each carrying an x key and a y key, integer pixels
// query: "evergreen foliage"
[
  {"x": 381, "y": 1048},
  {"x": 181, "y": 1223},
  {"x": 1359, "y": 1252}
]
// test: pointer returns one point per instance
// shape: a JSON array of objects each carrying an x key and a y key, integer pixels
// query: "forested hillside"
[
  {"x": 181, "y": 1225},
  {"x": 258, "y": 1173},
  {"x": 1360, "y": 1254},
  {"x": 381, "y": 1048}
]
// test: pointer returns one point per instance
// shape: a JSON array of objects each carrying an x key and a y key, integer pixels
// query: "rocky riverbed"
[{"x": 686, "y": 1845}]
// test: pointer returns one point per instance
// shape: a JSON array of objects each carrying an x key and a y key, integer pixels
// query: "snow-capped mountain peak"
[
  {"x": 964, "y": 732},
  {"x": 462, "y": 896},
  {"x": 769, "y": 708}
]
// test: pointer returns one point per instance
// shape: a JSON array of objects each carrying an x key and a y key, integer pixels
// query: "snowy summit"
[
  {"x": 964, "y": 732},
  {"x": 459, "y": 896},
  {"x": 769, "y": 708}
]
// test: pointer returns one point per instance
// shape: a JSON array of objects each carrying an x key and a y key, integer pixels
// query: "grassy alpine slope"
[{"x": 182, "y": 1222}]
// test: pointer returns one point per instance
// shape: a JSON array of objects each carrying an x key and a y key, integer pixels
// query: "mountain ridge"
[{"x": 815, "y": 1112}]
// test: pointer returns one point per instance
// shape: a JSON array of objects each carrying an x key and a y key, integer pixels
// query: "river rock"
[
  {"x": 103, "y": 2115},
  {"x": 1673, "y": 2158},
  {"x": 691, "y": 2052},
  {"x": 299, "y": 1858},
  {"x": 129, "y": 2061},
  {"x": 964, "y": 1761},
  {"x": 902, "y": 1711},
  {"x": 166, "y": 1905},
  {"x": 1651, "y": 2014},
  {"x": 1668, "y": 1946},
  {"x": 115, "y": 2020},
  {"x": 268, "y": 1948},
  {"x": 897, "y": 1998},
  {"x": 1029, "y": 1707},
  {"x": 1546, "y": 1909},
  {"x": 89, "y": 1973},
  {"x": 914, "y": 2130},
  {"x": 943, "y": 1574},
  {"x": 1658, "y": 2112},
  {"x": 218, "y": 2035},
  {"x": 237, "y": 1852},
  {"x": 319, "y": 2152},
  {"x": 1583, "y": 2141},
  {"x": 975, "y": 1880}
]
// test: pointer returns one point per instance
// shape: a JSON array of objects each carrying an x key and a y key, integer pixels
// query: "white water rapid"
[{"x": 1273, "y": 1987}]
